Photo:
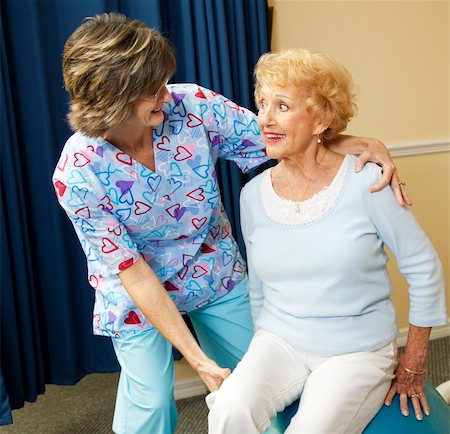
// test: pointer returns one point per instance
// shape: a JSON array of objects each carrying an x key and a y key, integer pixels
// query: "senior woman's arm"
[
  {"x": 152, "y": 299},
  {"x": 409, "y": 378},
  {"x": 420, "y": 265},
  {"x": 372, "y": 150}
]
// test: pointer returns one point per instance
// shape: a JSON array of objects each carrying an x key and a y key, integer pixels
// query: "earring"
[{"x": 319, "y": 140}]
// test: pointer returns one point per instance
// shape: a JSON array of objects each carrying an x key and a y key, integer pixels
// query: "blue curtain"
[{"x": 46, "y": 303}]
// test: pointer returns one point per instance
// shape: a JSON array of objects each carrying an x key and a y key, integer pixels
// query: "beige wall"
[{"x": 397, "y": 52}]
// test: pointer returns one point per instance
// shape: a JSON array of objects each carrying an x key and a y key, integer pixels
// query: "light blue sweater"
[{"x": 323, "y": 286}]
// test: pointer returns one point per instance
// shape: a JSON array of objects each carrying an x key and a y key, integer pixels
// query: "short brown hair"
[
  {"x": 109, "y": 62},
  {"x": 326, "y": 85}
]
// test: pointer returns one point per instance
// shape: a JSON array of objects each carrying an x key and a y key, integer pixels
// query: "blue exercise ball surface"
[{"x": 389, "y": 420}]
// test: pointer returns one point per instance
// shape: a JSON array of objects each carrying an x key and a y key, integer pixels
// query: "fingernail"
[
  {"x": 405, "y": 412},
  {"x": 387, "y": 403},
  {"x": 419, "y": 417},
  {"x": 427, "y": 412}
]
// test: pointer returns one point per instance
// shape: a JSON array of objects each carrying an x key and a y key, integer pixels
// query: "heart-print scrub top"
[{"x": 173, "y": 217}]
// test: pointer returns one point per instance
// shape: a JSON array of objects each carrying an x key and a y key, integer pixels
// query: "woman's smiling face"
[
  {"x": 147, "y": 112},
  {"x": 287, "y": 128}
]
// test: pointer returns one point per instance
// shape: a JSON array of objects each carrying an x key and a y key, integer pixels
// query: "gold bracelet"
[{"x": 414, "y": 372}]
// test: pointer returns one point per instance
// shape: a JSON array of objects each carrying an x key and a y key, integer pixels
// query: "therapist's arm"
[
  {"x": 375, "y": 151},
  {"x": 152, "y": 299}
]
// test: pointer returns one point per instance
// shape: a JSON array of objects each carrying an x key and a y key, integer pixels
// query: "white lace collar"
[{"x": 284, "y": 210}]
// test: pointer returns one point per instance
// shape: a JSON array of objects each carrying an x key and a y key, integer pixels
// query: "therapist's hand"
[
  {"x": 212, "y": 374},
  {"x": 377, "y": 153}
]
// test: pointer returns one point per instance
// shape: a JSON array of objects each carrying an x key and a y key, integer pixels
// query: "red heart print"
[
  {"x": 213, "y": 137},
  {"x": 170, "y": 286},
  {"x": 93, "y": 281},
  {"x": 200, "y": 94},
  {"x": 108, "y": 246},
  {"x": 197, "y": 194},
  {"x": 163, "y": 144},
  {"x": 83, "y": 212},
  {"x": 132, "y": 318},
  {"x": 108, "y": 204},
  {"x": 186, "y": 258},
  {"x": 215, "y": 231},
  {"x": 182, "y": 273},
  {"x": 124, "y": 158},
  {"x": 233, "y": 105},
  {"x": 193, "y": 121},
  {"x": 60, "y": 187},
  {"x": 182, "y": 154},
  {"x": 199, "y": 271},
  {"x": 80, "y": 160},
  {"x": 141, "y": 207},
  {"x": 206, "y": 249},
  {"x": 173, "y": 210},
  {"x": 126, "y": 264},
  {"x": 62, "y": 165},
  {"x": 238, "y": 267},
  {"x": 116, "y": 230},
  {"x": 198, "y": 223},
  {"x": 225, "y": 232},
  {"x": 228, "y": 283},
  {"x": 97, "y": 321}
]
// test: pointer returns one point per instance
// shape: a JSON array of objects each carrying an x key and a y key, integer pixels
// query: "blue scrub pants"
[{"x": 145, "y": 401}]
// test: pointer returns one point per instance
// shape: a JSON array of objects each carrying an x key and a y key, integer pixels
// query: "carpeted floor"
[{"x": 88, "y": 406}]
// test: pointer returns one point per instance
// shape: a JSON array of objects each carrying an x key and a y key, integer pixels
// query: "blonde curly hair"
[
  {"x": 109, "y": 62},
  {"x": 326, "y": 85}
]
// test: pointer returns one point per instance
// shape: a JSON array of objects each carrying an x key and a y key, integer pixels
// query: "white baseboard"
[
  {"x": 436, "y": 333},
  {"x": 194, "y": 386},
  {"x": 189, "y": 387}
]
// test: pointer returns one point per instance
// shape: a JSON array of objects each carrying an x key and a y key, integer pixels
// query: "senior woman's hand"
[
  {"x": 409, "y": 381},
  {"x": 375, "y": 151}
]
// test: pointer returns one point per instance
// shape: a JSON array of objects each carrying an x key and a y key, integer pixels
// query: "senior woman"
[
  {"x": 319, "y": 289},
  {"x": 138, "y": 182}
]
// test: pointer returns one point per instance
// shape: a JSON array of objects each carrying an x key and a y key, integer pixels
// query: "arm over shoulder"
[{"x": 236, "y": 132}]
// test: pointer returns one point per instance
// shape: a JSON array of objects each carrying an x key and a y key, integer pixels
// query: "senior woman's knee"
[{"x": 235, "y": 411}]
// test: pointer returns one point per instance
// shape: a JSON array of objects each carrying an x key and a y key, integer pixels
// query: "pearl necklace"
[{"x": 297, "y": 204}]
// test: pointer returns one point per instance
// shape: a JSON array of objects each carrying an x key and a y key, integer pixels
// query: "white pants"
[{"x": 339, "y": 394}]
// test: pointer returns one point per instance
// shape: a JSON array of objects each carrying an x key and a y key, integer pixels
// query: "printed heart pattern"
[
  {"x": 126, "y": 264},
  {"x": 60, "y": 188},
  {"x": 193, "y": 121},
  {"x": 182, "y": 153},
  {"x": 141, "y": 207},
  {"x": 108, "y": 246},
  {"x": 163, "y": 144},
  {"x": 132, "y": 318},
  {"x": 80, "y": 160},
  {"x": 83, "y": 212},
  {"x": 172, "y": 216},
  {"x": 124, "y": 158}
]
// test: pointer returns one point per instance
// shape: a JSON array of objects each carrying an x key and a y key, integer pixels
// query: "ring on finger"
[
  {"x": 402, "y": 183},
  {"x": 416, "y": 395}
]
